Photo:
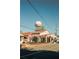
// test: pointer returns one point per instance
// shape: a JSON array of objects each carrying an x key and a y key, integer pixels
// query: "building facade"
[{"x": 40, "y": 35}]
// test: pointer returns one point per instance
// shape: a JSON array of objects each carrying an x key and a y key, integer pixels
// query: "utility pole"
[{"x": 56, "y": 30}]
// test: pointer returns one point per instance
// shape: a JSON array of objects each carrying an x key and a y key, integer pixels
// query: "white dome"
[{"x": 38, "y": 23}]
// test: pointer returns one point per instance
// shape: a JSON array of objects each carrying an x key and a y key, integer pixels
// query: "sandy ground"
[{"x": 41, "y": 46}]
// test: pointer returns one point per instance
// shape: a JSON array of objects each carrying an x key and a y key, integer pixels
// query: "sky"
[{"x": 48, "y": 9}]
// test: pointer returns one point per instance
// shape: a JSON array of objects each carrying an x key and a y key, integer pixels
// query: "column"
[
  {"x": 46, "y": 39},
  {"x": 39, "y": 39}
]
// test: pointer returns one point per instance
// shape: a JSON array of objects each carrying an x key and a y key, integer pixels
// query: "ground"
[{"x": 41, "y": 46}]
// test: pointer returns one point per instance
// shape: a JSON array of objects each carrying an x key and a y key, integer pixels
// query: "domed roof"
[{"x": 38, "y": 23}]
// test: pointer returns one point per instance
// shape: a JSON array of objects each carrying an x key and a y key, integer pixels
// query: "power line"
[
  {"x": 37, "y": 11},
  {"x": 34, "y": 8},
  {"x": 26, "y": 27}
]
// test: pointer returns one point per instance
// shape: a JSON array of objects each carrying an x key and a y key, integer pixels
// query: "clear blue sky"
[{"x": 48, "y": 9}]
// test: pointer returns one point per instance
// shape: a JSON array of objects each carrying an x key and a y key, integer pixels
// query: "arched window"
[
  {"x": 35, "y": 39},
  {"x": 25, "y": 37}
]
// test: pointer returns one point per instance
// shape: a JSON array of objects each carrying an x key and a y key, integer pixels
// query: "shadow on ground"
[{"x": 26, "y": 54}]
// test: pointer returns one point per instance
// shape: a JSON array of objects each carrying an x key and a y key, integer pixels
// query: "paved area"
[{"x": 26, "y": 54}]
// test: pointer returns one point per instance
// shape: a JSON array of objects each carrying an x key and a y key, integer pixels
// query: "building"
[{"x": 40, "y": 35}]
